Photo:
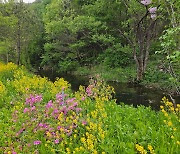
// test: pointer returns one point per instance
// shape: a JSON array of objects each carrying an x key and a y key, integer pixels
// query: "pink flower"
[
  {"x": 70, "y": 108},
  {"x": 152, "y": 10},
  {"x": 89, "y": 90},
  {"x": 69, "y": 133},
  {"x": 64, "y": 110},
  {"x": 40, "y": 125},
  {"x": 83, "y": 98},
  {"x": 146, "y": 2},
  {"x": 59, "y": 127},
  {"x": 33, "y": 108},
  {"x": 78, "y": 109},
  {"x": 84, "y": 122},
  {"x": 38, "y": 98},
  {"x": 49, "y": 104},
  {"x": 56, "y": 141},
  {"x": 153, "y": 16},
  {"x": 26, "y": 110},
  {"x": 75, "y": 104},
  {"x": 14, "y": 152},
  {"x": 37, "y": 142}
]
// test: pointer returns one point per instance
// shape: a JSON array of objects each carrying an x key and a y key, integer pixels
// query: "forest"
[
  {"x": 136, "y": 41},
  {"x": 124, "y": 41}
]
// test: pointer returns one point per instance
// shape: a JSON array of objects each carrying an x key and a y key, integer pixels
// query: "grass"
[
  {"x": 109, "y": 74},
  {"x": 40, "y": 116}
]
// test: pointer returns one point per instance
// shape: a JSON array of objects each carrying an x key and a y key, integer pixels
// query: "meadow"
[{"x": 40, "y": 116}]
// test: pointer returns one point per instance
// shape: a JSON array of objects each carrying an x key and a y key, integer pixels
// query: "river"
[{"x": 125, "y": 92}]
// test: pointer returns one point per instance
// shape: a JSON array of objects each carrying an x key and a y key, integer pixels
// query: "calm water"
[{"x": 127, "y": 93}]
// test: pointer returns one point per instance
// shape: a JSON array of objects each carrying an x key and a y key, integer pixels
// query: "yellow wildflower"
[{"x": 169, "y": 123}]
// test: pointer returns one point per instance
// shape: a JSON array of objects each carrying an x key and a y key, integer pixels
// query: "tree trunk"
[
  {"x": 140, "y": 72},
  {"x": 18, "y": 44}
]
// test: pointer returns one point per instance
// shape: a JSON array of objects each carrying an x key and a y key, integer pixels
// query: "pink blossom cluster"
[
  {"x": 33, "y": 99},
  {"x": 45, "y": 118},
  {"x": 146, "y": 2},
  {"x": 89, "y": 90},
  {"x": 152, "y": 11}
]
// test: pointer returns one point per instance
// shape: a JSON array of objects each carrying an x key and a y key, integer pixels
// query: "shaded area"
[{"x": 126, "y": 93}]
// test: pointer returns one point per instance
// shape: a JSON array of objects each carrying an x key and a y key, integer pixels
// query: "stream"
[{"x": 124, "y": 92}]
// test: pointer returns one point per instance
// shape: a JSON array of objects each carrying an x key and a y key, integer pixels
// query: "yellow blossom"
[{"x": 169, "y": 123}]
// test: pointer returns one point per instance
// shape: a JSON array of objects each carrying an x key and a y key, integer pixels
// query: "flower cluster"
[
  {"x": 2, "y": 89},
  {"x": 140, "y": 149},
  {"x": 171, "y": 113},
  {"x": 146, "y": 2},
  {"x": 6, "y": 68}
]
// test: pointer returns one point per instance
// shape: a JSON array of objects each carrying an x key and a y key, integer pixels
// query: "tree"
[
  {"x": 140, "y": 28},
  {"x": 23, "y": 31},
  {"x": 170, "y": 44}
]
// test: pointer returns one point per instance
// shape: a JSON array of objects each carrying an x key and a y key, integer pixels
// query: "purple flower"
[
  {"x": 61, "y": 103},
  {"x": 75, "y": 104},
  {"x": 33, "y": 108},
  {"x": 37, "y": 142},
  {"x": 83, "y": 98},
  {"x": 69, "y": 133},
  {"x": 45, "y": 125},
  {"x": 56, "y": 141},
  {"x": 38, "y": 98},
  {"x": 153, "y": 16},
  {"x": 84, "y": 122},
  {"x": 64, "y": 110},
  {"x": 89, "y": 90},
  {"x": 78, "y": 109},
  {"x": 49, "y": 104},
  {"x": 26, "y": 110},
  {"x": 70, "y": 108},
  {"x": 14, "y": 152},
  {"x": 59, "y": 127},
  {"x": 55, "y": 111},
  {"x": 40, "y": 125},
  {"x": 152, "y": 10},
  {"x": 146, "y": 2}
]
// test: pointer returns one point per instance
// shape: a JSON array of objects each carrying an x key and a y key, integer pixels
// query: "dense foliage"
[
  {"x": 38, "y": 116},
  {"x": 121, "y": 36}
]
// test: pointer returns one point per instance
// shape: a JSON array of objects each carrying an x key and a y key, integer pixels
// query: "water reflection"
[{"x": 127, "y": 93}]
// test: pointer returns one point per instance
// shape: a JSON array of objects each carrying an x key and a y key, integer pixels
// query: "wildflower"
[
  {"x": 49, "y": 104},
  {"x": 48, "y": 134},
  {"x": 56, "y": 141},
  {"x": 83, "y": 98},
  {"x": 169, "y": 123},
  {"x": 152, "y": 10},
  {"x": 172, "y": 137},
  {"x": 78, "y": 109},
  {"x": 33, "y": 108},
  {"x": 146, "y": 2},
  {"x": 161, "y": 107},
  {"x": 84, "y": 122},
  {"x": 178, "y": 142},
  {"x": 40, "y": 125},
  {"x": 151, "y": 149},
  {"x": 83, "y": 140},
  {"x": 26, "y": 110},
  {"x": 140, "y": 149},
  {"x": 37, "y": 142}
]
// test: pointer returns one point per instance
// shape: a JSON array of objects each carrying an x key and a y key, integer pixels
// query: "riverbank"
[
  {"x": 154, "y": 79},
  {"x": 40, "y": 116}
]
